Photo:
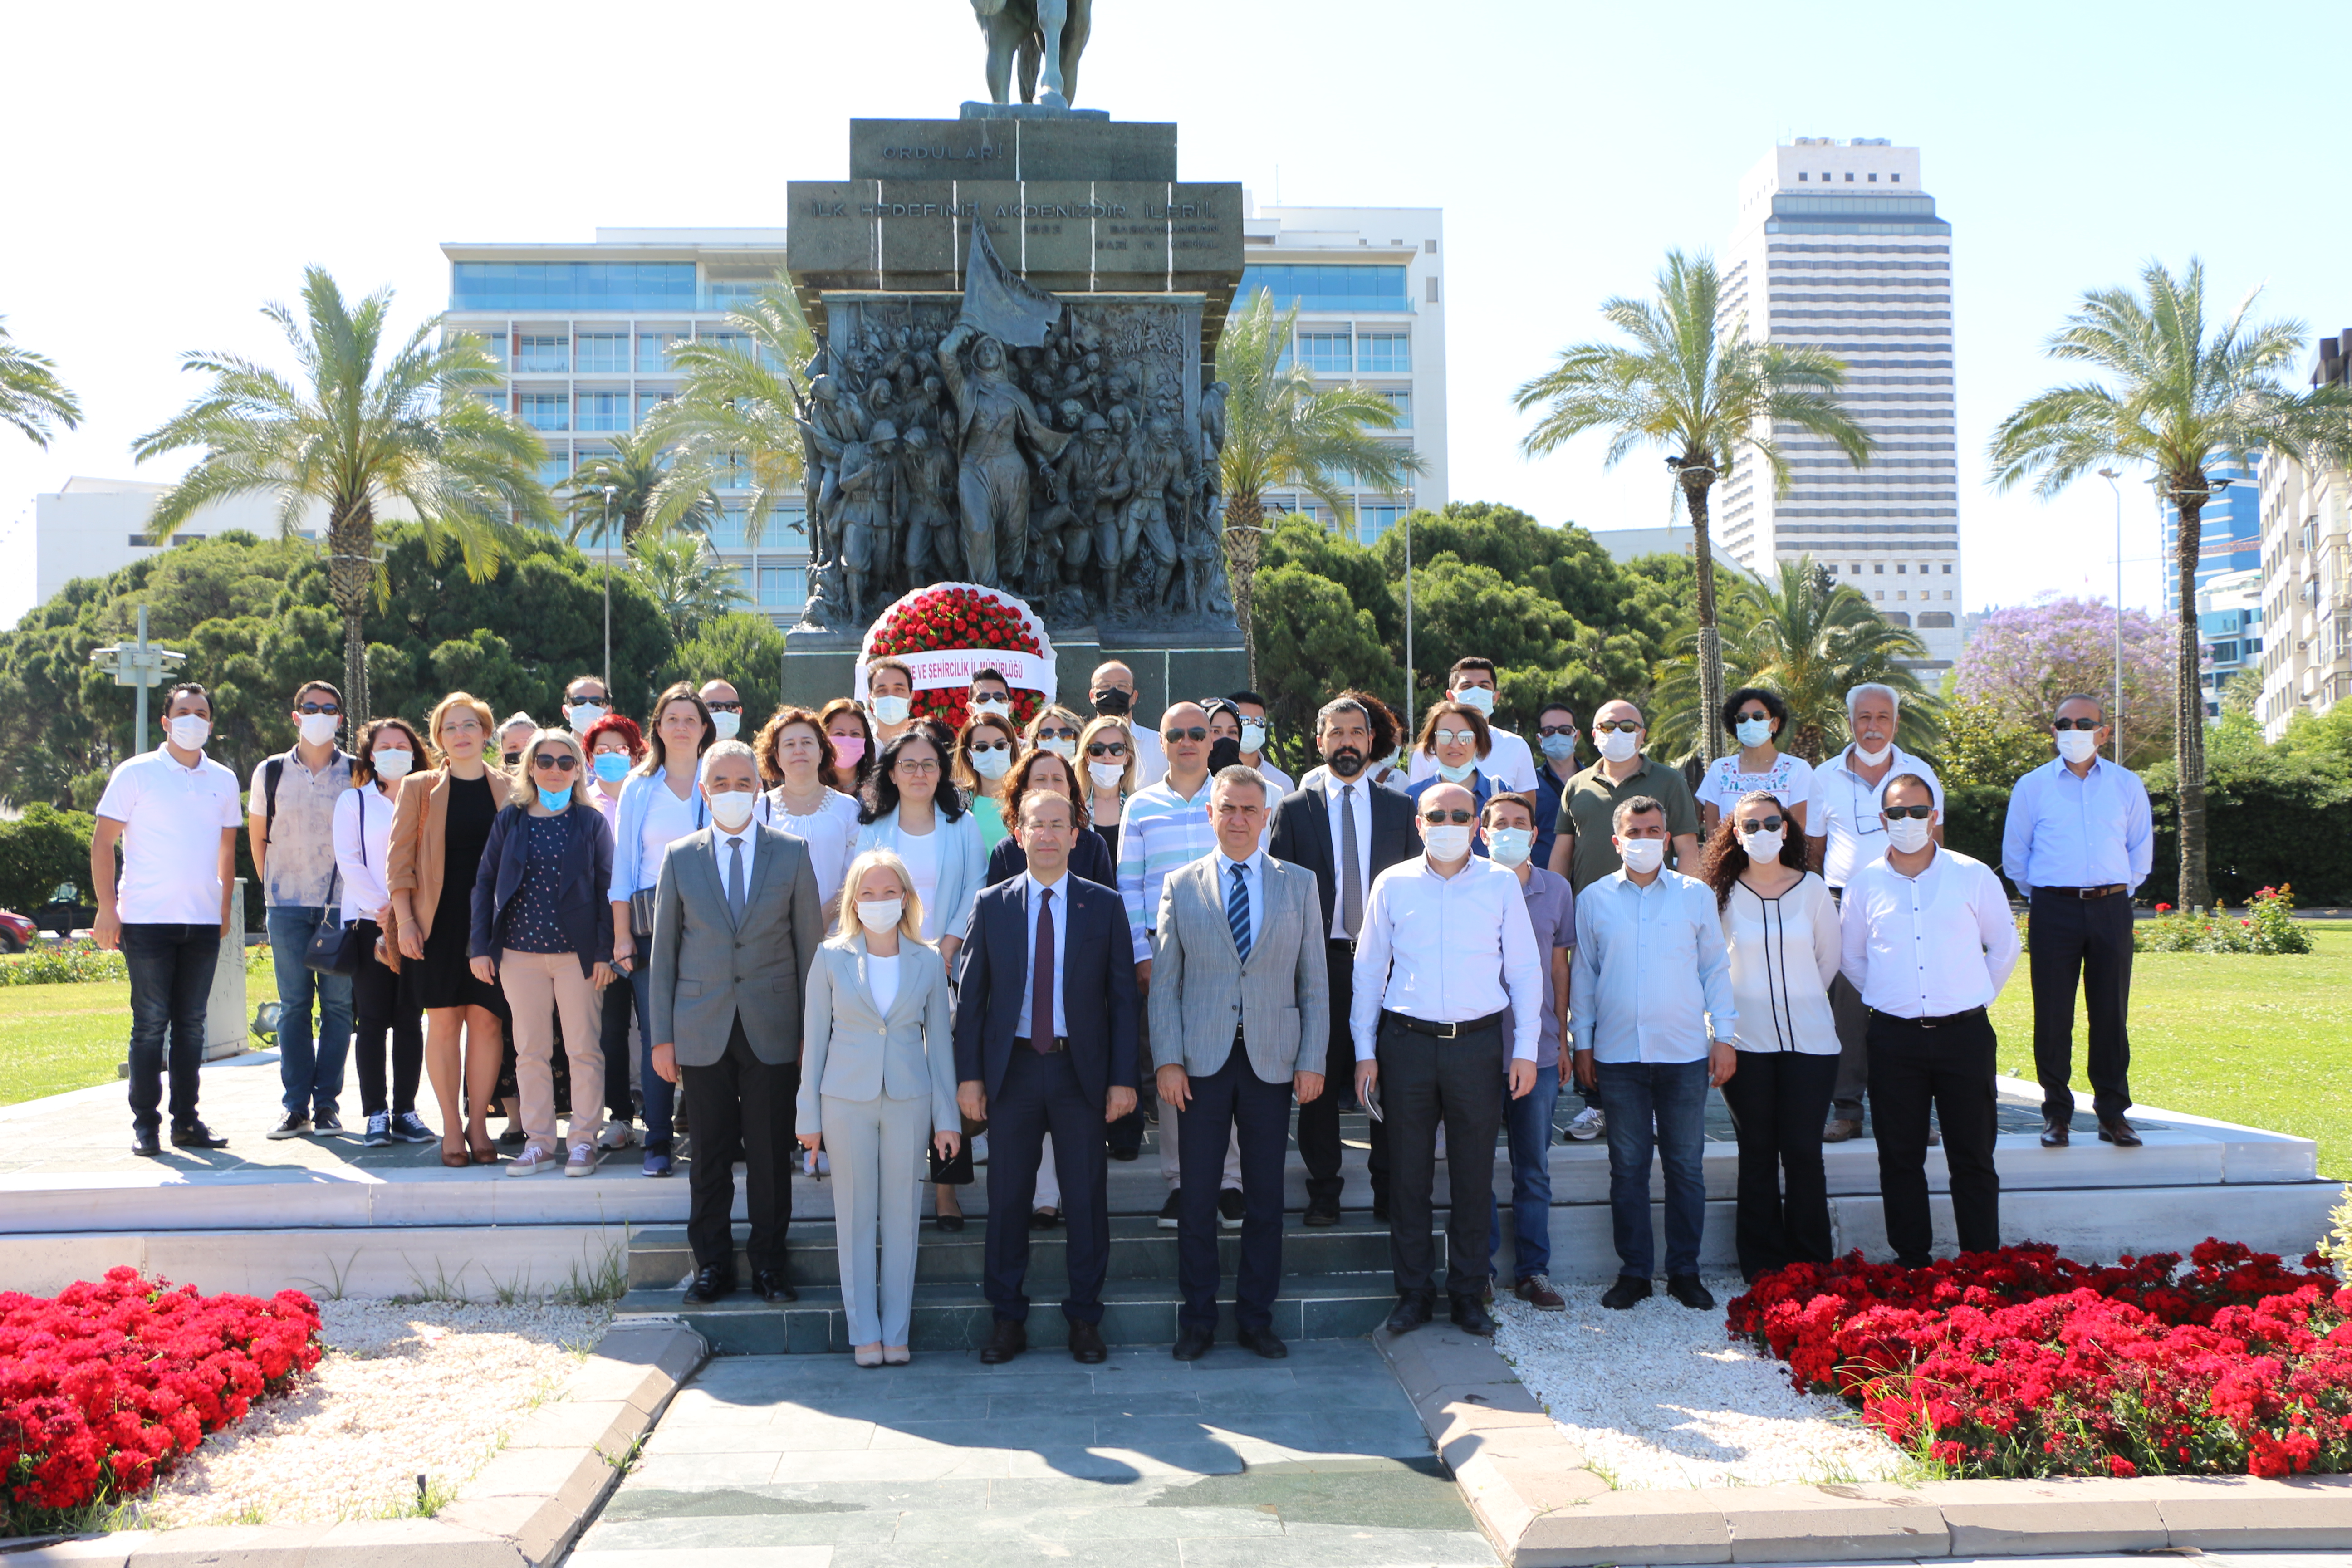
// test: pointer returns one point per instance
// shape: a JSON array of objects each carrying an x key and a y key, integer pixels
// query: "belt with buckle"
[
  {"x": 2109, "y": 891},
  {"x": 1445, "y": 1031},
  {"x": 1061, "y": 1043},
  {"x": 1939, "y": 1021}
]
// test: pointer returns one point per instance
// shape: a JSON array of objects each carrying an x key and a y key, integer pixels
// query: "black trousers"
[
  {"x": 740, "y": 1100},
  {"x": 1319, "y": 1119},
  {"x": 1779, "y": 1100},
  {"x": 2089, "y": 940},
  {"x": 1041, "y": 1094},
  {"x": 1461, "y": 1082},
  {"x": 620, "y": 1006},
  {"x": 379, "y": 1010},
  {"x": 1950, "y": 1065},
  {"x": 171, "y": 969},
  {"x": 1234, "y": 1097}
]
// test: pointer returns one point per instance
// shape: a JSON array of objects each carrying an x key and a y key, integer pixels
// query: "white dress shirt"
[
  {"x": 1061, "y": 891},
  {"x": 1447, "y": 949},
  {"x": 1650, "y": 970},
  {"x": 1507, "y": 762},
  {"x": 1281, "y": 784},
  {"x": 1784, "y": 954},
  {"x": 1844, "y": 809},
  {"x": 1931, "y": 945},
  {"x": 1337, "y": 804},
  {"x": 2091, "y": 831},
  {"x": 1151, "y": 756}
]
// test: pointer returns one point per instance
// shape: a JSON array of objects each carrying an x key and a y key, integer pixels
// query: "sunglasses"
[
  {"x": 724, "y": 707},
  {"x": 1455, "y": 737},
  {"x": 307, "y": 708},
  {"x": 562, "y": 762},
  {"x": 1197, "y": 732},
  {"x": 1107, "y": 748},
  {"x": 1920, "y": 812},
  {"x": 2054, "y": 723},
  {"x": 1761, "y": 824},
  {"x": 1546, "y": 731},
  {"x": 1755, "y": 716},
  {"x": 1457, "y": 816},
  {"x": 1057, "y": 734},
  {"x": 1630, "y": 726},
  {"x": 987, "y": 746}
]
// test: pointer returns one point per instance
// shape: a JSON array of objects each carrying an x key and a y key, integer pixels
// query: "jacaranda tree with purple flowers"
[{"x": 2024, "y": 659}]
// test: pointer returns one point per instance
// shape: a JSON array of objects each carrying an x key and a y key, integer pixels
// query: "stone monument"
[{"x": 1017, "y": 314}]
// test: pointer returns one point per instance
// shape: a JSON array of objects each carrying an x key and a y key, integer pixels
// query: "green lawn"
[
  {"x": 57, "y": 1038},
  {"x": 2264, "y": 1041}
]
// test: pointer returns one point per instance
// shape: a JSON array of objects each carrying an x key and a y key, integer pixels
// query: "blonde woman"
[
  {"x": 439, "y": 826},
  {"x": 1106, "y": 753},
  {"x": 543, "y": 930},
  {"x": 984, "y": 755},
  {"x": 877, "y": 1078},
  {"x": 1056, "y": 729}
]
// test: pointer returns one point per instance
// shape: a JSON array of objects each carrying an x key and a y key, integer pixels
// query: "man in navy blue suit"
[{"x": 1046, "y": 935}]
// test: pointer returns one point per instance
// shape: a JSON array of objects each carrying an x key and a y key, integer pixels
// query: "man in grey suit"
[
  {"x": 737, "y": 925},
  {"x": 1238, "y": 982}
]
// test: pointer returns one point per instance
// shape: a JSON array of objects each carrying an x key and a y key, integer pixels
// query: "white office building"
[
  {"x": 1369, "y": 285},
  {"x": 2306, "y": 574},
  {"x": 93, "y": 527},
  {"x": 1838, "y": 248},
  {"x": 582, "y": 336}
]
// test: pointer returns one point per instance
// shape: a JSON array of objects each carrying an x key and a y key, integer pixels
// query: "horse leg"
[
  {"x": 1051, "y": 17},
  {"x": 1001, "y": 41},
  {"x": 1074, "y": 43},
  {"x": 1029, "y": 67}
]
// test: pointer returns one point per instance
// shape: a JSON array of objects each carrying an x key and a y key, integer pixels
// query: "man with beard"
[{"x": 1347, "y": 831}]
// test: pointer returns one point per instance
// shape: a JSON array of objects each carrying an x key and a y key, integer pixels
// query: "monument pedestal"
[{"x": 820, "y": 665}]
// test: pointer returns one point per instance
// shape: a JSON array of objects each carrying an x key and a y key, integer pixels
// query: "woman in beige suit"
[{"x": 878, "y": 1077}]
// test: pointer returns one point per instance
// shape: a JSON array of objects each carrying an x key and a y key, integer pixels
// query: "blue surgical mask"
[
  {"x": 1560, "y": 748},
  {"x": 555, "y": 799},
  {"x": 611, "y": 766},
  {"x": 1753, "y": 731},
  {"x": 1452, "y": 774}
]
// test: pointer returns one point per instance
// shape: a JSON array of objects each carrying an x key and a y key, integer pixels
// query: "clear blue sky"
[{"x": 173, "y": 166}]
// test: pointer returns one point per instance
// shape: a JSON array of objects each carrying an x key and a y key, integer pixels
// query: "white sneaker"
[
  {"x": 1589, "y": 1124},
  {"x": 616, "y": 1135},
  {"x": 531, "y": 1162},
  {"x": 583, "y": 1162}
]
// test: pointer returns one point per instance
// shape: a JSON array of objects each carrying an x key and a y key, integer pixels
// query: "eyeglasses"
[
  {"x": 914, "y": 765},
  {"x": 2063, "y": 724},
  {"x": 724, "y": 707},
  {"x": 307, "y": 708},
  {"x": 1197, "y": 732},
  {"x": 1457, "y": 816},
  {"x": 562, "y": 762},
  {"x": 1455, "y": 737},
  {"x": 1107, "y": 748},
  {"x": 1920, "y": 812},
  {"x": 1761, "y": 824},
  {"x": 1546, "y": 731},
  {"x": 1630, "y": 726},
  {"x": 1055, "y": 732}
]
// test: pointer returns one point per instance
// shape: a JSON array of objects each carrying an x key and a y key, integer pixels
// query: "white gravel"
[
  {"x": 405, "y": 1390},
  {"x": 1660, "y": 1397}
]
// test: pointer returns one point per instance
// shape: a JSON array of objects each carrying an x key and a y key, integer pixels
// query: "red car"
[{"x": 15, "y": 931}]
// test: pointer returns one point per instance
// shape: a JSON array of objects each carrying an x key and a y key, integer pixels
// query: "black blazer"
[
  {"x": 581, "y": 911},
  {"x": 1098, "y": 990},
  {"x": 1301, "y": 833},
  {"x": 1090, "y": 859}
]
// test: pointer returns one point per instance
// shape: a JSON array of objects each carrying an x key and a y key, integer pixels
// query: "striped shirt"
[{"x": 1159, "y": 831}]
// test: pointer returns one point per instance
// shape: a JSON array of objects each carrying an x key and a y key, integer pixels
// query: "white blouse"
[
  {"x": 362, "y": 839},
  {"x": 1784, "y": 954},
  {"x": 921, "y": 853},
  {"x": 1791, "y": 778},
  {"x": 828, "y": 831},
  {"x": 882, "y": 979},
  {"x": 667, "y": 820}
]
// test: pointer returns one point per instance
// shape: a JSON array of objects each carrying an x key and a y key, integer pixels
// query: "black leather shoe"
[
  {"x": 2055, "y": 1132},
  {"x": 196, "y": 1135},
  {"x": 710, "y": 1282},
  {"x": 144, "y": 1141},
  {"x": 1686, "y": 1289},
  {"x": 1470, "y": 1315},
  {"x": 1263, "y": 1342},
  {"x": 1322, "y": 1211},
  {"x": 1086, "y": 1343},
  {"x": 1192, "y": 1344},
  {"x": 1411, "y": 1311},
  {"x": 1626, "y": 1293},
  {"x": 1005, "y": 1340},
  {"x": 769, "y": 1285},
  {"x": 2115, "y": 1130}
]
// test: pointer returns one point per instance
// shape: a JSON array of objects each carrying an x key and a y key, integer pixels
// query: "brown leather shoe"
[
  {"x": 2115, "y": 1130},
  {"x": 2057, "y": 1132},
  {"x": 1005, "y": 1340},
  {"x": 1840, "y": 1129},
  {"x": 1535, "y": 1292}
]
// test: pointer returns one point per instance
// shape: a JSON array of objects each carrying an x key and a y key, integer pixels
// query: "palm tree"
[
  {"x": 736, "y": 409},
  {"x": 31, "y": 395},
  {"x": 364, "y": 432},
  {"x": 683, "y": 577},
  {"x": 2175, "y": 397},
  {"x": 1702, "y": 388},
  {"x": 651, "y": 490},
  {"x": 1283, "y": 432},
  {"x": 1812, "y": 640}
]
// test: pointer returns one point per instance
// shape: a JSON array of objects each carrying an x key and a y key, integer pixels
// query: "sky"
[{"x": 175, "y": 167}]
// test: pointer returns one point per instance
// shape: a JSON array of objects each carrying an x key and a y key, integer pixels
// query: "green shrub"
[
  {"x": 2267, "y": 928},
  {"x": 40, "y": 852},
  {"x": 62, "y": 964}
]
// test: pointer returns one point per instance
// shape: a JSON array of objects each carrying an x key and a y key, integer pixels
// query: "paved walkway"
[{"x": 1141, "y": 1462}]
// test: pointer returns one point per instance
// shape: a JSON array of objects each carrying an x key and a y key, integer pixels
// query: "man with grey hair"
[
  {"x": 1844, "y": 834},
  {"x": 1347, "y": 831}
]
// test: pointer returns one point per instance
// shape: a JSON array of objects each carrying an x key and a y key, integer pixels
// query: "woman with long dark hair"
[
  {"x": 1781, "y": 927},
  {"x": 919, "y": 814},
  {"x": 851, "y": 735}
]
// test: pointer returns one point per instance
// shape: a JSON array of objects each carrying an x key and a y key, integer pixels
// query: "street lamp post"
[
  {"x": 608, "y": 592},
  {"x": 138, "y": 665},
  {"x": 1408, "y": 626},
  {"x": 2116, "y": 719}
]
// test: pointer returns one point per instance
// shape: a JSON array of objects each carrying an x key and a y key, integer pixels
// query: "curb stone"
[
  {"x": 1526, "y": 1484},
  {"x": 520, "y": 1511}
]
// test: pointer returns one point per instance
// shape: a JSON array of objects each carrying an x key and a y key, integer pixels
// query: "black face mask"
[
  {"x": 1223, "y": 753},
  {"x": 1347, "y": 762},
  {"x": 1113, "y": 703}
]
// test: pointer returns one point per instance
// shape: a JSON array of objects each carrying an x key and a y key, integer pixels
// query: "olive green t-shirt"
[{"x": 1593, "y": 799}]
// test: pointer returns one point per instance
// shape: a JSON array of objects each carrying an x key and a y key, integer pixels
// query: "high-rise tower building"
[{"x": 1838, "y": 248}]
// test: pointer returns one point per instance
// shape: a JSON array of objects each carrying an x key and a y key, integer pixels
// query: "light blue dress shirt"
[
  {"x": 1061, "y": 891},
  {"x": 1651, "y": 970},
  {"x": 2091, "y": 831}
]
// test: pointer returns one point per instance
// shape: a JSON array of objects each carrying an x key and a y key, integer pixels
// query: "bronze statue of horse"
[{"x": 1051, "y": 32}]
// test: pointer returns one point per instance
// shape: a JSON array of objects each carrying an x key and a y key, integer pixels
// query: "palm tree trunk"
[
  {"x": 1245, "y": 514},
  {"x": 351, "y": 577},
  {"x": 2189, "y": 492},
  {"x": 1696, "y": 475}
]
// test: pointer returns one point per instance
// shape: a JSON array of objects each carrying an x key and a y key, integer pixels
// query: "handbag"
[{"x": 336, "y": 947}]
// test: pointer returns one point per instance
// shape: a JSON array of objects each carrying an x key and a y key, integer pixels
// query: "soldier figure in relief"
[{"x": 994, "y": 421}]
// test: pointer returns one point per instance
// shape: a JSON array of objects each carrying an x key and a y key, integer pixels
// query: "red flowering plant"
[
  {"x": 105, "y": 1385},
  {"x": 2021, "y": 1363},
  {"x": 959, "y": 617}
]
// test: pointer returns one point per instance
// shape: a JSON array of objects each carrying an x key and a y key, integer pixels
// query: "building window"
[
  {"x": 545, "y": 410},
  {"x": 1342, "y": 286},
  {"x": 1935, "y": 620},
  {"x": 1830, "y": 567},
  {"x": 1327, "y": 352},
  {"x": 1401, "y": 405},
  {"x": 1429, "y": 246},
  {"x": 554, "y": 471},
  {"x": 1857, "y": 569},
  {"x": 603, "y": 411},
  {"x": 604, "y": 352},
  {"x": 1947, "y": 571},
  {"x": 783, "y": 587},
  {"x": 1802, "y": 177},
  {"x": 787, "y": 528},
  {"x": 1849, "y": 179},
  {"x": 653, "y": 351},
  {"x": 1895, "y": 179},
  {"x": 1384, "y": 353},
  {"x": 1898, "y": 618},
  {"x": 1900, "y": 595},
  {"x": 1947, "y": 594},
  {"x": 1900, "y": 568},
  {"x": 1878, "y": 594},
  {"x": 725, "y": 531},
  {"x": 733, "y": 343},
  {"x": 541, "y": 356},
  {"x": 572, "y": 285},
  {"x": 649, "y": 401},
  {"x": 1878, "y": 568},
  {"x": 1371, "y": 521},
  {"x": 1873, "y": 179},
  {"x": 1431, "y": 285}
]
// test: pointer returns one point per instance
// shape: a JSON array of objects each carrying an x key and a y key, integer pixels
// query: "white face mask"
[
  {"x": 1065, "y": 749},
  {"x": 1754, "y": 731},
  {"x": 1449, "y": 841},
  {"x": 1477, "y": 697},
  {"x": 1869, "y": 758},
  {"x": 1510, "y": 846},
  {"x": 727, "y": 724},
  {"x": 393, "y": 766},
  {"x": 2078, "y": 745},
  {"x": 993, "y": 764},
  {"x": 580, "y": 715},
  {"x": 990, "y": 705},
  {"x": 893, "y": 710},
  {"x": 731, "y": 808},
  {"x": 317, "y": 729},
  {"x": 1106, "y": 775},
  {"x": 1765, "y": 847},
  {"x": 879, "y": 914},
  {"x": 1453, "y": 774},
  {"x": 1907, "y": 833},
  {"x": 1618, "y": 745},
  {"x": 1253, "y": 736},
  {"x": 190, "y": 732},
  {"x": 1642, "y": 855}
]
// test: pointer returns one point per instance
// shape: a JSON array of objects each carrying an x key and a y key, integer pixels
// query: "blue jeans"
[
  {"x": 171, "y": 969},
  {"x": 1659, "y": 1105},
  {"x": 312, "y": 1078},
  {"x": 660, "y": 1094},
  {"x": 1527, "y": 1125}
]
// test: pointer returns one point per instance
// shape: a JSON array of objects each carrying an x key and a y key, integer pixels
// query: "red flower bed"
[
  {"x": 106, "y": 1383},
  {"x": 2021, "y": 1363},
  {"x": 952, "y": 617}
]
